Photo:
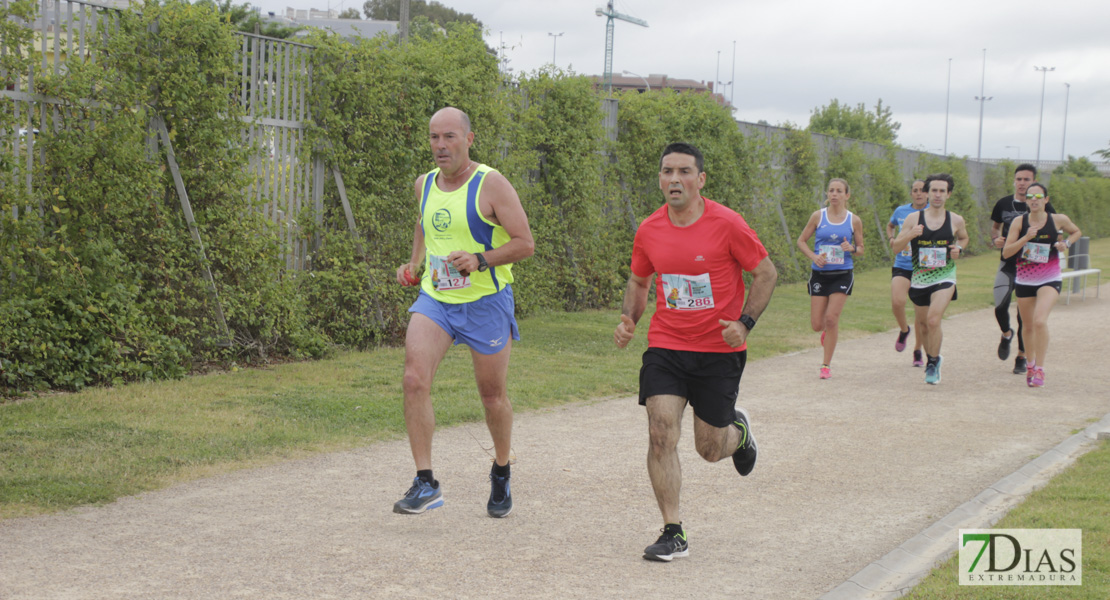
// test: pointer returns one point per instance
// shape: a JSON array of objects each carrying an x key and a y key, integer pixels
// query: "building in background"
[{"x": 656, "y": 81}]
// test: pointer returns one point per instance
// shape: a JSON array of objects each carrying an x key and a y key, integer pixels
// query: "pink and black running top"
[{"x": 1038, "y": 263}]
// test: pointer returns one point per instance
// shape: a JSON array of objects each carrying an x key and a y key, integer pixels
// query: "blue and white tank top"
[{"x": 827, "y": 241}]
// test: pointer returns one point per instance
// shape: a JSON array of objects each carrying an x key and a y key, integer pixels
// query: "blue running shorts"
[{"x": 485, "y": 324}]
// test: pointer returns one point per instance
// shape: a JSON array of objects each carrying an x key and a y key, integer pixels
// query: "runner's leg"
[
  {"x": 425, "y": 345},
  {"x": 491, "y": 373},
  {"x": 664, "y": 421}
]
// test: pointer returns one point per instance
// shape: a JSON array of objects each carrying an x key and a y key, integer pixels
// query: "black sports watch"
[
  {"x": 482, "y": 264},
  {"x": 748, "y": 321}
]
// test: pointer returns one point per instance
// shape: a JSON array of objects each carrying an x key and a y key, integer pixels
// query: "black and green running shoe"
[
  {"x": 744, "y": 457},
  {"x": 670, "y": 545}
]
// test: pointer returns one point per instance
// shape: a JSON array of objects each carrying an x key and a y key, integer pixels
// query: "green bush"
[{"x": 104, "y": 283}]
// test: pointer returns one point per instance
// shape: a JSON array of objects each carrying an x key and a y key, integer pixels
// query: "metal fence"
[
  {"x": 287, "y": 177},
  {"x": 66, "y": 31},
  {"x": 275, "y": 76}
]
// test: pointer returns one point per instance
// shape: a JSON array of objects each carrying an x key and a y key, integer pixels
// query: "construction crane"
[{"x": 612, "y": 14}]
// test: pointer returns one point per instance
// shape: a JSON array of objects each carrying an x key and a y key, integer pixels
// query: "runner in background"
[
  {"x": 1034, "y": 240},
  {"x": 838, "y": 237},
  {"x": 902, "y": 271},
  {"x": 1005, "y": 210},
  {"x": 936, "y": 237}
]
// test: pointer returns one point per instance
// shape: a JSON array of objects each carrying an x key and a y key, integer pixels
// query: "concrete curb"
[{"x": 895, "y": 574}]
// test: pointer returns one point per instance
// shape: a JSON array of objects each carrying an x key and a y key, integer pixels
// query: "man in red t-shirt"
[{"x": 697, "y": 340}]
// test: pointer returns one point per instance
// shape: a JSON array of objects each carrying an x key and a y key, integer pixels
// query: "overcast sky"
[{"x": 792, "y": 56}]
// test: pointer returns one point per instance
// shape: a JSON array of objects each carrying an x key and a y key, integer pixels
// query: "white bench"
[{"x": 1081, "y": 273}]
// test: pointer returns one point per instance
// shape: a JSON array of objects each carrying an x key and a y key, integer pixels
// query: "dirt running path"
[{"x": 849, "y": 468}]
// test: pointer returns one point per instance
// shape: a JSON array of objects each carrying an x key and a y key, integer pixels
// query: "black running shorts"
[
  {"x": 896, "y": 272},
  {"x": 924, "y": 296},
  {"x": 709, "y": 381},
  {"x": 827, "y": 283},
  {"x": 1030, "y": 291}
]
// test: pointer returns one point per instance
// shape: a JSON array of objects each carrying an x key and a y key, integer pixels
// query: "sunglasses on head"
[{"x": 1034, "y": 196}]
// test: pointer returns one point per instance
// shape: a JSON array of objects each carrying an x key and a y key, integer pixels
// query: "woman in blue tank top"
[{"x": 838, "y": 236}]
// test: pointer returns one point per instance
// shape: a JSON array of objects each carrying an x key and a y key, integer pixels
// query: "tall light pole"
[
  {"x": 1044, "y": 76},
  {"x": 718, "y": 76},
  {"x": 947, "y": 99},
  {"x": 646, "y": 84},
  {"x": 1067, "y": 96},
  {"x": 1018, "y": 149},
  {"x": 982, "y": 98},
  {"x": 732, "y": 91},
  {"x": 554, "y": 44}
]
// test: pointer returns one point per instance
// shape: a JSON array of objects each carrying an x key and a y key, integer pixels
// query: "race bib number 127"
[{"x": 444, "y": 275}]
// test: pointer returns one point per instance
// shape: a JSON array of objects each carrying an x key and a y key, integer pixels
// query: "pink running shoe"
[
  {"x": 900, "y": 344},
  {"x": 1038, "y": 378},
  {"x": 826, "y": 373},
  {"x": 1030, "y": 368},
  {"x": 918, "y": 360}
]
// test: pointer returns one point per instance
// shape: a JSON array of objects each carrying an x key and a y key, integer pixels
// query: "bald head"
[
  {"x": 451, "y": 118},
  {"x": 450, "y": 137}
]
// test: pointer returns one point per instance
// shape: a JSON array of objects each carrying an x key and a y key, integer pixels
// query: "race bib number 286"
[{"x": 687, "y": 292}]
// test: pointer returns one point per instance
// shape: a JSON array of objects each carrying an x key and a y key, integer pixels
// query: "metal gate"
[{"x": 275, "y": 76}]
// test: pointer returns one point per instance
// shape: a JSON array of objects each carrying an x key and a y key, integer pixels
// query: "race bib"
[
  {"x": 906, "y": 252},
  {"x": 932, "y": 258},
  {"x": 444, "y": 275},
  {"x": 1034, "y": 252},
  {"x": 834, "y": 255},
  {"x": 687, "y": 292}
]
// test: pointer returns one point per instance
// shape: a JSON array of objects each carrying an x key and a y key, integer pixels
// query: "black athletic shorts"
[
  {"x": 923, "y": 296},
  {"x": 1030, "y": 291},
  {"x": 896, "y": 272},
  {"x": 709, "y": 381},
  {"x": 827, "y": 283}
]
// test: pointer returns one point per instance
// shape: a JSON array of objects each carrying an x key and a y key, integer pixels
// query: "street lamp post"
[
  {"x": 554, "y": 44},
  {"x": 646, "y": 84},
  {"x": 1044, "y": 76},
  {"x": 732, "y": 90},
  {"x": 982, "y": 98},
  {"x": 1064, "y": 140},
  {"x": 1018, "y": 149},
  {"x": 717, "y": 77},
  {"x": 724, "y": 85},
  {"x": 947, "y": 98}
]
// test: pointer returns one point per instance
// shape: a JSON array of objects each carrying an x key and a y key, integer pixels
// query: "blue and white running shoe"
[{"x": 420, "y": 497}]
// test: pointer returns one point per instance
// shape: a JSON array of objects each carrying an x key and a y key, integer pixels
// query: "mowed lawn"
[{"x": 62, "y": 450}]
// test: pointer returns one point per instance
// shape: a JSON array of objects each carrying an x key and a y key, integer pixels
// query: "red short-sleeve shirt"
[{"x": 700, "y": 280}]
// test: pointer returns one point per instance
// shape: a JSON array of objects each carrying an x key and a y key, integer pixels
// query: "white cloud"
[{"x": 795, "y": 55}]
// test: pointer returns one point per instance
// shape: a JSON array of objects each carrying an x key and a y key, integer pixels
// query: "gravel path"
[{"x": 849, "y": 468}]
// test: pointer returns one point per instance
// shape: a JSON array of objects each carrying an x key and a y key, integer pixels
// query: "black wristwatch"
[
  {"x": 482, "y": 264},
  {"x": 748, "y": 321}
]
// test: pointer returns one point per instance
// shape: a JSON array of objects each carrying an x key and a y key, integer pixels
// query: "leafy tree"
[
  {"x": 390, "y": 10},
  {"x": 1080, "y": 167},
  {"x": 245, "y": 18},
  {"x": 856, "y": 123},
  {"x": 1104, "y": 153},
  {"x": 350, "y": 13}
]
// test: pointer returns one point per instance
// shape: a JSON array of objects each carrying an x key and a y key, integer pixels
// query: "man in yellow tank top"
[{"x": 472, "y": 228}]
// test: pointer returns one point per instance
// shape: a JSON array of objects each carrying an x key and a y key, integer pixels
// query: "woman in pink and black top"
[{"x": 1035, "y": 239}]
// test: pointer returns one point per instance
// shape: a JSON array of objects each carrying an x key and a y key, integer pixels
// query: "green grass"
[
  {"x": 1075, "y": 499},
  {"x": 58, "y": 451}
]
